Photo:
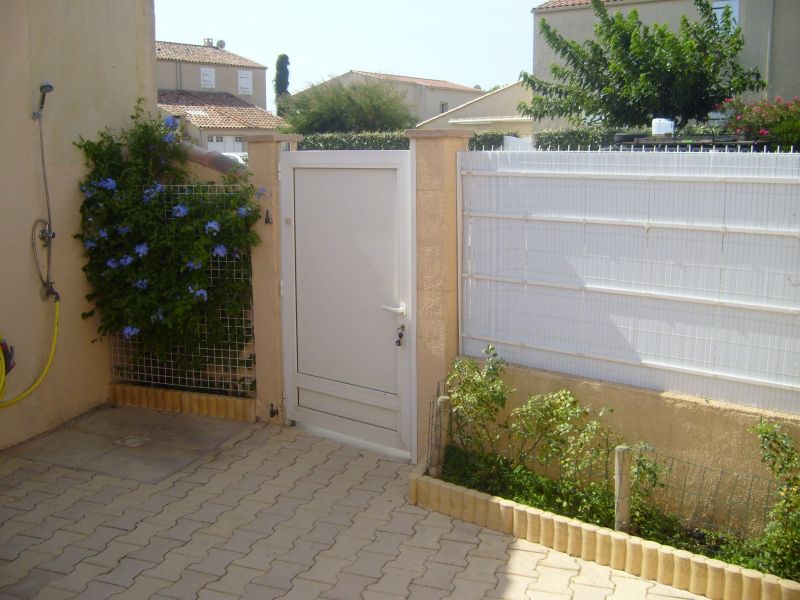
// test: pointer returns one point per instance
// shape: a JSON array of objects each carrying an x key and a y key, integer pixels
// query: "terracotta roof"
[
  {"x": 207, "y": 55},
  {"x": 432, "y": 83},
  {"x": 217, "y": 110},
  {"x": 568, "y": 3}
]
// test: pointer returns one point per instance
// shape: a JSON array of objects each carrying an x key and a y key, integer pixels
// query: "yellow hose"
[{"x": 35, "y": 384}]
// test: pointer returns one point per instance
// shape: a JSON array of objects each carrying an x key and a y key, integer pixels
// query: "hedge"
[{"x": 389, "y": 140}]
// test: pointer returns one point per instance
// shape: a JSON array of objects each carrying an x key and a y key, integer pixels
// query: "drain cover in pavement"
[{"x": 132, "y": 441}]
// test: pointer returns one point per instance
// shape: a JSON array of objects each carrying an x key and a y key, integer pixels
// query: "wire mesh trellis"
[
  {"x": 708, "y": 498},
  {"x": 227, "y": 368}
]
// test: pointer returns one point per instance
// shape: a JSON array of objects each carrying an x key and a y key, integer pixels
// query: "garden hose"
[{"x": 35, "y": 384}]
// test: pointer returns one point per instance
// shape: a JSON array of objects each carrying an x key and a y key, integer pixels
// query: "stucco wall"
[
  {"x": 704, "y": 432},
  {"x": 769, "y": 28},
  {"x": 100, "y": 57},
  {"x": 494, "y": 111},
  {"x": 173, "y": 75}
]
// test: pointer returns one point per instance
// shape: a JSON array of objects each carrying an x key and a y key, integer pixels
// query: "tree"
[
  {"x": 336, "y": 107},
  {"x": 631, "y": 73},
  {"x": 281, "y": 82}
]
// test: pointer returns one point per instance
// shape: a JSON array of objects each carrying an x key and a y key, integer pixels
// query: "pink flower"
[
  {"x": 728, "y": 100},
  {"x": 738, "y": 117},
  {"x": 738, "y": 130},
  {"x": 763, "y": 132}
]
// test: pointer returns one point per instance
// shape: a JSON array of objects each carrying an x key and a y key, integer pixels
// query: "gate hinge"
[
  {"x": 281, "y": 288},
  {"x": 279, "y": 171}
]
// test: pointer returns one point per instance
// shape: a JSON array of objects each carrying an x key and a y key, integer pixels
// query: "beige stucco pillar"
[
  {"x": 434, "y": 154},
  {"x": 263, "y": 159}
]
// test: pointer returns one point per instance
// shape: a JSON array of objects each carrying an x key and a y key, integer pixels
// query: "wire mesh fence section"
[
  {"x": 714, "y": 499},
  {"x": 671, "y": 271},
  {"x": 227, "y": 368}
]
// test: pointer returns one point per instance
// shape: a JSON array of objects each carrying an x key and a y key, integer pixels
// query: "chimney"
[{"x": 208, "y": 42}]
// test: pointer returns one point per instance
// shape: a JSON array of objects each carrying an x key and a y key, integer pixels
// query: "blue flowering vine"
[{"x": 152, "y": 238}]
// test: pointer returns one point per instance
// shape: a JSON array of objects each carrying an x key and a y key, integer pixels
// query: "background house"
[
  {"x": 219, "y": 96},
  {"x": 424, "y": 97},
  {"x": 494, "y": 111},
  {"x": 769, "y": 28}
]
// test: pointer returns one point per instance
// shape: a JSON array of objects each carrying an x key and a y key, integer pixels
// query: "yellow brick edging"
[
  {"x": 209, "y": 405},
  {"x": 663, "y": 564}
]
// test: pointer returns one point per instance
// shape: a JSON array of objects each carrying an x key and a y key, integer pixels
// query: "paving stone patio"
[{"x": 258, "y": 513}]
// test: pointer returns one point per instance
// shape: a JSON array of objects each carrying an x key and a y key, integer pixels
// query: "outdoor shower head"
[{"x": 45, "y": 89}]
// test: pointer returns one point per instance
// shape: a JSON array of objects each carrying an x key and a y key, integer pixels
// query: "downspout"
[{"x": 769, "y": 44}]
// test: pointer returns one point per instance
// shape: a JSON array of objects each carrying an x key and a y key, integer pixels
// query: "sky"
[{"x": 471, "y": 42}]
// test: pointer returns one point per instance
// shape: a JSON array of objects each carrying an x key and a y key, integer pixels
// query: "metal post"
[{"x": 622, "y": 488}]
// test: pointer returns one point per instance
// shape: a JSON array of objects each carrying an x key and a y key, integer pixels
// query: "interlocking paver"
[
  {"x": 348, "y": 586},
  {"x": 65, "y": 562},
  {"x": 281, "y": 575},
  {"x": 261, "y": 592},
  {"x": 29, "y": 586},
  {"x": 187, "y": 586},
  {"x": 125, "y": 572},
  {"x": 469, "y": 590},
  {"x": 216, "y": 562},
  {"x": 98, "y": 590},
  {"x": 512, "y": 587},
  {"x": 235, "y": 580},
  {"x": 11, "y": 549},
  {"x": 271, "y": 513},
  {"x": 142, "y": 587}
]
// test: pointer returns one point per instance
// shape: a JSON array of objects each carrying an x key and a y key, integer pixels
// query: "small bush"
[
  {"x": 777, "y": 123},
  {"x": 778, "y": 550}
]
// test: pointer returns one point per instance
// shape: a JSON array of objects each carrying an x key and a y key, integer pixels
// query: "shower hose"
[
  {"x": 44, "y": 228},
  {"x": 11, "y": 401}
]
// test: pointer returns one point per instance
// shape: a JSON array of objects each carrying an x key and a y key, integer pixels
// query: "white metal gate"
[{"x": 348, "y": 295}]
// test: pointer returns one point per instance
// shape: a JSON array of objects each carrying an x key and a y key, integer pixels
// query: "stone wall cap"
[
  {"x": 439, "y": 133},
  {"x": 274, "y": 137}
]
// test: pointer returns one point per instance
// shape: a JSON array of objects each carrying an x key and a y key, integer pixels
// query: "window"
[
  {"x": 245, "y": 83},
  {"x": 207, "y": 78},
  {"x": 443, "y": 107},
  {"x": 718, "y": 6}
]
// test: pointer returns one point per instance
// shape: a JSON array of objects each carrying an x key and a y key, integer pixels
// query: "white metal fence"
[{"x": 673, "y": 271}]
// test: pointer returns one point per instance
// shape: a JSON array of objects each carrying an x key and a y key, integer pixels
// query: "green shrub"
[
  {"x": 477, "y": 395},
  {"x": 486, "y": 140},
  {"x": 778, "y": 550},
  {"x": 365, "y": 140},
  {"x": 777, "y": 123},
  {"x": 149, "y": 251},
  {"x": 574, "y": 137}
]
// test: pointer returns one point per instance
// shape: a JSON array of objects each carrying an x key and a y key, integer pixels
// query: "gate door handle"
[{"x": 398, "y": 310}]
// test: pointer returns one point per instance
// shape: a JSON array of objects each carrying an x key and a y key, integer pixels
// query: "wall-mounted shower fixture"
[{"x": 44, "y": 89}]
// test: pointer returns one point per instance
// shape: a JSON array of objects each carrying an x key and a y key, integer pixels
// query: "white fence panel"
[{"x": 672, "y": 271}]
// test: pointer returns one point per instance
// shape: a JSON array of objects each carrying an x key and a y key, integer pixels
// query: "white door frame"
[{"x": 400, "y": 161}]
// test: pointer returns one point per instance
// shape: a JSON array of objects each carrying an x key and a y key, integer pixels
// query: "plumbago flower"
[{"x": 151, "y": 234}]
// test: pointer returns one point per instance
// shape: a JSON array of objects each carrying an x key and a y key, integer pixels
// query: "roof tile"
[
  {"x": 217, "y": 110},
  {"x": 568, "y": 3},
  {"x": 432, "y": 83},
  {"x": 210, "y": 55}
]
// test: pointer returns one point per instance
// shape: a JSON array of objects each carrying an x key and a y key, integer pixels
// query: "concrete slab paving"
[{"x": 213, "y": 509}]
